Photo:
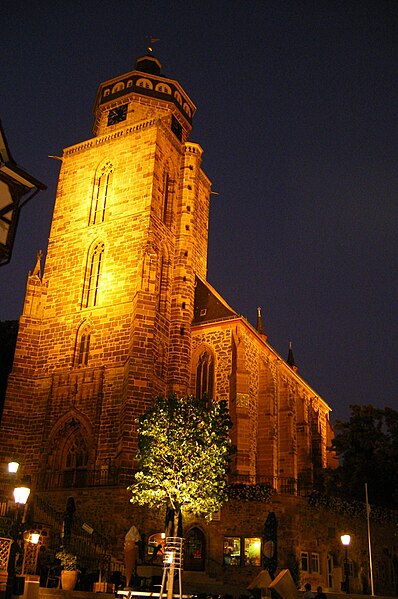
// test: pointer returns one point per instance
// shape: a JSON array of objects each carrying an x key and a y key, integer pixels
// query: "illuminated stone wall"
[
  {"x": 279, "y": 422},
  {"x": 134, "y": 200}
]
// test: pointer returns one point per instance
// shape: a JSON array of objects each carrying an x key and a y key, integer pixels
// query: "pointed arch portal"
[{"x": 195, "y": 554}]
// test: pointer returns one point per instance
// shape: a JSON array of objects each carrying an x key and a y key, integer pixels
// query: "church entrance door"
[{"x": 195, "y": 554}]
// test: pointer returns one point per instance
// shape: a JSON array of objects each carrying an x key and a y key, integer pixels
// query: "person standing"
[
  {"x": 130, "y": 553},
  {"x": 320, "y": 594},
  {"x": 308, "y": 594}
]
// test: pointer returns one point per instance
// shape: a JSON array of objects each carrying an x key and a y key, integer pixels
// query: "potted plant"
[{"x": 69, "y": 569}]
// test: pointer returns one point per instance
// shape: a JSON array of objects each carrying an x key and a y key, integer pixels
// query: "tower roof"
[
  {"x": 148, "y": 64},
  {"x": 146, "y": 80}
]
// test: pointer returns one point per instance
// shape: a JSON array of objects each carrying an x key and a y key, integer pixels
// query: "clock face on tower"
[{"x": 116, "y": 115}]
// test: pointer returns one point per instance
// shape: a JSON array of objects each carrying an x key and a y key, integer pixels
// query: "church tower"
[{"x": 106, "y": 328}]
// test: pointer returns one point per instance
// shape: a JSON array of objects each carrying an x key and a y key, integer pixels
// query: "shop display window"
[{"x": 232, "y": 551}]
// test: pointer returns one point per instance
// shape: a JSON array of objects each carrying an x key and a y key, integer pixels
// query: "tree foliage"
[
  {"x": 184, "y": 452},
  {"x": 367, "y": 447}
]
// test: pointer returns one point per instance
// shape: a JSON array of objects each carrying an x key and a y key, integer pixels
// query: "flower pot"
[{"x": 69, "y": 579}]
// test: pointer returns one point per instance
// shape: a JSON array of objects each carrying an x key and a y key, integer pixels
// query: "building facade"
[{"x": 123, "y": 313}]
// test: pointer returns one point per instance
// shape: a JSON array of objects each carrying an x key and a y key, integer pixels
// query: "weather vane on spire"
[{"x": 152, "y": 40}]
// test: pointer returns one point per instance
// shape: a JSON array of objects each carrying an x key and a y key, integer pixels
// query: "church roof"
[{"x": 209, "y": 305}]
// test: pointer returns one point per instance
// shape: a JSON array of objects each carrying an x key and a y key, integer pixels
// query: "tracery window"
[
  {"x": 101, "y": 193},
  {"x": 205, "y": 376},
  {"x": 76, "y": 462},
  {"x": 93, "y": 276}
]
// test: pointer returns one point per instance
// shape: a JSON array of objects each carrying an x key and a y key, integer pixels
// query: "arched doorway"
[{"x": 195, "y": 550}]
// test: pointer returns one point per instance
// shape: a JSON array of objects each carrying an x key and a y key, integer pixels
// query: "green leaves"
[{"x": 184, "y": 452}]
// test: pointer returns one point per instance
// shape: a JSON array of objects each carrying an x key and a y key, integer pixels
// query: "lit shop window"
[
  {"x": 252, "y": 551},
  {"x": 233, "y": 555},
  {"x": 232, "y": 551}
]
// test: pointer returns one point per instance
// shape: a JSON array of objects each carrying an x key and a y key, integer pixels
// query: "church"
[{"x": 123, "y": 313}]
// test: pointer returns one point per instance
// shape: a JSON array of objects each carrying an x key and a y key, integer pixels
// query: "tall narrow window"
[
  {"x": 205, "y": 376},
  {"x": 76, "y": 462},
  {"x": 167, "y": 207},
  {"x": 163, "y": 282},
  {"x": 315, "y": 562},
  {"x": 84, "y": 350},
  {"x": 304, "y": 561},
  {"x": 93, "y": 276},
  {"x": 101, "y": 193}
]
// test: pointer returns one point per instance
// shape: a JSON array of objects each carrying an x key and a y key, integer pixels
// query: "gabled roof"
[
  {"x": 210, "y": 308},
  {"x": 209, "y": 305},
  {"x": 9, "y": 167}
]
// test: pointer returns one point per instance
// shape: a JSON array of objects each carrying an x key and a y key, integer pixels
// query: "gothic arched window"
[
  {"x": 93, "y": 276},
  {"x": 101, "y": 192},
  {"x": 83, "y": 349},
  {"x": 75, "y": 461},
  {"x": 205, "y": 376}
]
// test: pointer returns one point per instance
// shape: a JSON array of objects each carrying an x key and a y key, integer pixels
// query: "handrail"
[
  {"x": 69, "y": 479},
  {"x": 122, "y": 477}
]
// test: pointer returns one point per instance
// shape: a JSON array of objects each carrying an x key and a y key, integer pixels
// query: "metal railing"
[
  {"x": 123, "y": 477},
  {"x": 279, "y": 484},
  {"x": 69, "y": 479}
]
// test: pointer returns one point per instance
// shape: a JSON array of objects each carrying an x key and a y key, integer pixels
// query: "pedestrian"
[
  {"x": 320, "y": 594},
  {"x": 308, "y": 594}
]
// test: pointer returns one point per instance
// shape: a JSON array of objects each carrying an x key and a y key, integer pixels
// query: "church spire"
[
  {"x": 259, "y": 325},
  {"x": 37, "y": 269},
  {"x": 290, "y": 358}
]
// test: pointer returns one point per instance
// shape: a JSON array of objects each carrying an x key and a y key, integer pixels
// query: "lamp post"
[
  {"x": 346, "y": 539},
  {"x": 21, "y": 495}
]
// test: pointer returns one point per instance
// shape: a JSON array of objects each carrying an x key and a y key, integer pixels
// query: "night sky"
[{"x": 297, "y": 114}]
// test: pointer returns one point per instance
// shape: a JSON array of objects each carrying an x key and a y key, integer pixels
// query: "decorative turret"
[
  {"x": 259, "y": 325},
  {"x": 290, "y": 358},
  {"x": 36, "y": 291}
]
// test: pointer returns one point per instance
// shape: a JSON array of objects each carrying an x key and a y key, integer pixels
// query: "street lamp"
[
  {"x": 346, "y": 539},
  {"x": 21, "y": 495}
]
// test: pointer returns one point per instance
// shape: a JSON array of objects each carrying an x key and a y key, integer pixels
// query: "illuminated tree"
[{"x": 184, "y": 452}]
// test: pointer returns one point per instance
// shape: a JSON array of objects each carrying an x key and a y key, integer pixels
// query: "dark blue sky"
[{"x": 297, "y": 114}]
